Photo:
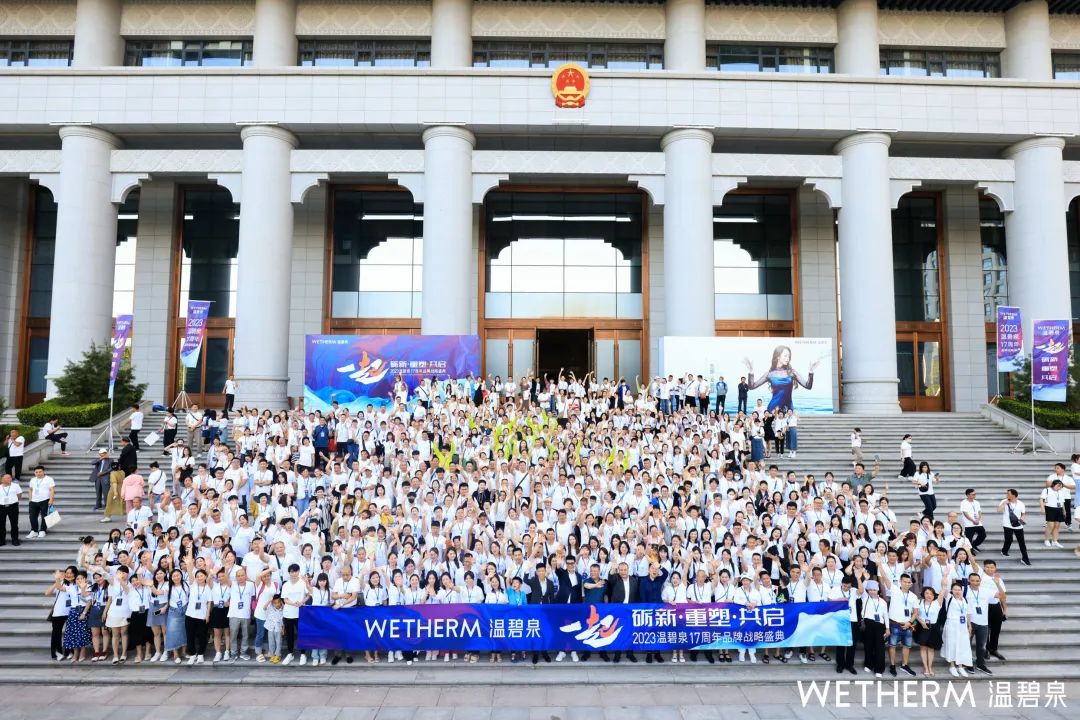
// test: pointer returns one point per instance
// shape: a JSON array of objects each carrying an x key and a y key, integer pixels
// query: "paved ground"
[{"x": 497, "y": 702}]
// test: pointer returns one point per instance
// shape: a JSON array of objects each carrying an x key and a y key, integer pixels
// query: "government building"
[{"x": 882, "y": 173}]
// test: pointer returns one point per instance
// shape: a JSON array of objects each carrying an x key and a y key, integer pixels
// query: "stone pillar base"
[
  {"x": 871, "y": 396},
  {"x": 263, "y": 393}
]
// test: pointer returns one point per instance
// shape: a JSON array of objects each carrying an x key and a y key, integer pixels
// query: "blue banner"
[
  {"x": 194, "y": 332},
  {"x": 1050, "y": 344},
  {"x": 360, "y": 370},
  {"x": 1010, "y": 339},
  {"x": 585, "y": 627}
]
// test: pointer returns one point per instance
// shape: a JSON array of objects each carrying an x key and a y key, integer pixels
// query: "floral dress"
[{"x": 76, "y": 631}]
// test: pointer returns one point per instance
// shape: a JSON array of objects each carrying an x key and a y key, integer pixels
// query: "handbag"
[
  {"x": 52, "y": 519},
  {"x": 1013, "y": 520}
]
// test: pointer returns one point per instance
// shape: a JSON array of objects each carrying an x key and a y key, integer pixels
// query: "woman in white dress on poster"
[{"x": 956, "y": 648}]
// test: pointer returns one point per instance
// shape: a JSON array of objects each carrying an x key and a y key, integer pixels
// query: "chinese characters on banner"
[
  {"x": 579, "y": 627},
  {"x": 1010, "y": 339},
  {"x": 194, "y": 332},
  {"x": 1050, "y": 343},
  {"x": 121, "y": 331}
]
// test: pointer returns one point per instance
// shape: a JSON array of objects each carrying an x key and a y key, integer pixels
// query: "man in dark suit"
[
  {"x": 622, "y": 588},
  {"x": 541, "y": 592},
  {"x": 99, "y": 476},
  {"x": 129, "y": 460},
  {"x": 570, "y": 589}
]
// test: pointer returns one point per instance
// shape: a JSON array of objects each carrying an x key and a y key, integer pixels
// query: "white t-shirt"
[
  {"x": 9, "y": 495},
  {"x": 972, "y": 508},
  {"x": 294, "y": 592},
  {"x": 902, "y": 606},
  {"x": 240, "y": 597},
  {"x": 40, "y": 487},
  {"x": 199, "y": 597},
  {"x": 137, "y": 420},
  {"x": 341, "y": 587},
  {"x": 230, "y": 387},
  {"x": 16, "y": 446},
  {"x": 1018, "y": 509}
]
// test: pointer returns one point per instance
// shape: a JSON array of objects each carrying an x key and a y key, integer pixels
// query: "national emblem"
[{"x": 570, "y": 86}]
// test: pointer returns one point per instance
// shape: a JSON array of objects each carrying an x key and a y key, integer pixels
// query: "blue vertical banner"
[
  {"x": 121, "y": 332},
  {"x": 194, "y": 332},
  {"x": 1050, "y": 344},
  {"x": 1010, "y": 339}
]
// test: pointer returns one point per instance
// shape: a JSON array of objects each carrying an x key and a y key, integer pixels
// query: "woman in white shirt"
[
  {"x": 117, "y": 612},
  {"x": 375, "y": 595},
  {"x": 197, "y": 618},
  {"x": 956, "y": 647},
  {"x": 924, "y": 481},
  {"x": 908, "y": 469},
  {"x": 927, "y": 631},
  {"x": 320, "y": 597}
]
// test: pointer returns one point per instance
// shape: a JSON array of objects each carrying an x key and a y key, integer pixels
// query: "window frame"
[
  {"x": 822, "y": 58},
  {"x": 550, "y": 54},
  {"x": 138, "y": 50},
  {"x": 936, "y": 62}
]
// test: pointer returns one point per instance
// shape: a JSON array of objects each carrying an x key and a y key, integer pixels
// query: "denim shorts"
[{"x": 898, "y": 635}]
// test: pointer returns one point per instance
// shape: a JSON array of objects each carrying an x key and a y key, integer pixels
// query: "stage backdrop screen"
[
  {"x": 782, "y": 372},
  {"x": 358, "y": 370}
]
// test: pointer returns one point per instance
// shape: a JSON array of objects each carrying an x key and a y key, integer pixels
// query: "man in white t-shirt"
[
  {"x": 16, "y": 443},
  {"x": 972, "y": 520},
  {"x": 10, "y": 495},
  {"x": 42, "y": 495},
  {"x": 230, "y": 394},
  {"x": 978, "y": 600},
  {"x": 1013, "y": 519},
  {"x": 135, "y": 423},
  {"x": 902, "y": 608}
]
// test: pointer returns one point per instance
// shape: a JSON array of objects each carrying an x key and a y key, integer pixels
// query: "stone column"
[
  {"x": 98, "y": 42},
  {"x": 1035, "y": 235},
  {"x": 689, "y": 305},
  {"x": 1027, "y": 42},
  {"x": 264, "y": 266},
  {"x": 451, "y": 33},
  {"x": 857, "y": 38},
  {"x": 85, "y": 258},
  {"x": 448, "y": 256},
  {"x": 867, "y": 300},
  {"x": 684, "y": 41},
  {"x": 275, "y": 33}
]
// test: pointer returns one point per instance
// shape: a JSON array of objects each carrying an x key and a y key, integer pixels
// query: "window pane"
[
  {"x": 37, "y": 363},
  {"x": 211, "y": 239},
  {"x": 905, "y": 366}
]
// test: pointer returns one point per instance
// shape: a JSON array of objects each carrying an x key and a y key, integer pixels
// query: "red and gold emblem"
[{"x": 570, "y": 86}]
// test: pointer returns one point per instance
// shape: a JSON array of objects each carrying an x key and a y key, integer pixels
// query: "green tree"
[
  {"x": 1020, "y": 384},
  {"x": 87, "y": 381}
]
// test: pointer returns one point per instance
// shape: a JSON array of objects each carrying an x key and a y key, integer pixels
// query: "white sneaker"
[
  {"x": 573, "y": 656},
  {"x": 753, "y": 656},
  {"x": 164, "y": 657},
  {"x": 802, "y": 659},
  {"x": 446, "y": 657},
  {"x": 105, "y": 520},
  {"x": 399, "y": 656},
  {"x": 1056, "y": 544},
  {"x": 303, "y": 659},
  {"x": 200, "y": 660},
  {"x": 217, "y": 656},
  {"x": 155, "y": 657},
  {"x": 1045, "y": 542},
  {"x": 952, "y": 671},
  {"x": 177, "y": 660},
  {"x": 390, "y": 656},
  {"x": 245, "y": 657},
  {"x": 227, "y": 657},
  {"x": 31, "y": 535},
  {"x": 191, "y": 660},
  {"x": 560, "y": 657},
  {"x": 288, "y": 659},
  {"x": 962, "y": 671}
]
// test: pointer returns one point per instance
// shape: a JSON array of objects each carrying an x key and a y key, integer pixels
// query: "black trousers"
[
  {"x": 37, "y": 515},
  {"x": 1068, "y": 512},
  {"x": 975, "y": 535},
  {"x": 229, "y": 400},
  {"x": 56, "y": 642},
  {"x": 874, "y": 645},
  {"x": 1019, "y": 535},
  {"x": 845, "y": 656},
  {"x": 929, "y": 503},
  {"x": 60, "y": 437},
  {"x": 721, "y": 403},
  {"x": 101, "y": 491},
  {"x": 13, "y": 467},
  {"x": 197, "y": 635},
  {"x": 133, "y": 436},
  {"x": 168, "y": 438},
  {"x": 996, "y": 619},
  {"x": 9, "y": 515},
  {"x": 290, "y": 634},
  {"x": 742, "y": 405}
]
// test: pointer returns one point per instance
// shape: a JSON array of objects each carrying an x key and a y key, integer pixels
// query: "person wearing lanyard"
[
  {"x": 874, "y": 616},
  {"x": 998, "y": 606},
  {"x": 241, "y": 593},
  {"x": 471, "y": 594},
  {"x": 221, "y": 602},
  {"x": 320, "y": 597},
  {"x": 903, "y": 611},
  {"x": 845, "y": 655},
  {"x": 117, "y": 612},
  {"x": 978, "y": 599},
  {"x": 10, "y": 495},
  {"x": 196, "y": 618},
  {"x": 295, "y": 593},
  {"x": 375, "y": 595},
  {"x": 956, "y": 646},
  {"x": 748, "y": 598},
  {"x": 61, "y": 605},
  {"x": 414, "y": 595},
  {"x": 98, "y": 635},
  {"x": 175, "y": 620},
  {"x": 140, "y": 612},
  {"x": 701, "y": 593}
]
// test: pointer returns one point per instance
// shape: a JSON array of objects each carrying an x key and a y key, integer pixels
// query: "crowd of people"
[{"x": 545, "y": 491}]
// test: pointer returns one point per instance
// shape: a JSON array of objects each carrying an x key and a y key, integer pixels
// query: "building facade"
[{"x": 885, "y": 173}]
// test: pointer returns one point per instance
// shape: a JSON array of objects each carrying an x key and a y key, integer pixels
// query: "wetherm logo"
[
  {"x": 369, "y": 372},
  {"x": 878, "y": 693},
  {"x": 598, "y": 632}
]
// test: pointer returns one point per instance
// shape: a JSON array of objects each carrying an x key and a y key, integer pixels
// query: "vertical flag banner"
[
  {"x": 1010, "y": 339},
  {"x": 195, "y": 331},
  {"x": 1050, "y": 343},
  {"x": 121, "y": 331}
]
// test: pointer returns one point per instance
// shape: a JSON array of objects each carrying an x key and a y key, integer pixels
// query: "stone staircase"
[{"x": 1040, "y": 640}]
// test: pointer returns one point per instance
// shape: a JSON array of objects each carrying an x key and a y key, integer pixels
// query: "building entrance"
[{"x": 570, "y": 350}]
